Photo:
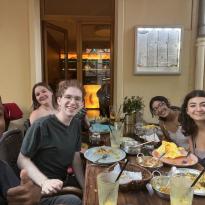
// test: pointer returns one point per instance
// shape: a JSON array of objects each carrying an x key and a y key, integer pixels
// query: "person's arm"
[
  {"x": 48, "y": 185},
  {"x": 190, "y": 144},
  {"x": 26, "y": 194},
  {"x": 78, "y": 169}
]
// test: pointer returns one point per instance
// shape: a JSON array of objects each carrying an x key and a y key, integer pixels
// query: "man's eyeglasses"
[
  {"x": 70, "y": 97},
  {"x": 160, "y": 105}
]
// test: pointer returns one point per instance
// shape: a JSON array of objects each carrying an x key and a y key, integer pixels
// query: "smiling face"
[
  {"x": 160, "y": 109},
  {"x": 43, "y": 95},
  {"x": 196, "y": 108},
  {"x": 70, "y": 102}
]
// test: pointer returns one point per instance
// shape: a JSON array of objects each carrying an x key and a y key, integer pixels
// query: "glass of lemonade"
[
  {"x": 116, "y": 134},
  {"x": 107, "y": 188},
  {"x": 181, "y": 192}
]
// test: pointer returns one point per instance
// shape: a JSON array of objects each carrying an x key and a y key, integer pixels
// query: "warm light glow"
[
  {"x": 91, "y": 99},
  {"x": 92, "y": 114},
  {"x": 88, "y": 56}
]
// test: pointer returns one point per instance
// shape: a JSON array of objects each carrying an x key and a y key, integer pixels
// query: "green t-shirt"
[{"x": 51, "y": 145}]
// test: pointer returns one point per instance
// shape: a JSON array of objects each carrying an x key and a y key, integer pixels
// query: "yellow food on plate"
[
  {"x": 171, "y": 150},
  {"x": 149, "y": 126}
]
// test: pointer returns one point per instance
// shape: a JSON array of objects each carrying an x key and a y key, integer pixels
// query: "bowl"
[
  {"x": 161, "y": 186},
  {"x": 148, "y": 162},
  {"x": 131, "y": 147}
]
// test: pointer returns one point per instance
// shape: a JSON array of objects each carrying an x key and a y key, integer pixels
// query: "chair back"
[{"x": 10, "y": 145}]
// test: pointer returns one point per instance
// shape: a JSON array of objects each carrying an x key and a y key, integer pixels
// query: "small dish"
[
  {"x": 131, "y": 147},
  {"x": 148, "y": 161}
]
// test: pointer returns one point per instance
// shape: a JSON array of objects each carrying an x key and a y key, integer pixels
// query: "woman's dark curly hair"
[
  {"x": 36, "y": 104},
  {"x": 158, "y": 98},
  {"x": 189, "y": 127}
]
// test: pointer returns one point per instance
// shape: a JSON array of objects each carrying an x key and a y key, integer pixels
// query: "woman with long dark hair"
[
  {"x": 193, "y": 121},
  {"x": 169, "y": 121}
]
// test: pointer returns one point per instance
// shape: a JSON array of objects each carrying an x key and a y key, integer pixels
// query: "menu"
[{"x": 157, "y": 50}]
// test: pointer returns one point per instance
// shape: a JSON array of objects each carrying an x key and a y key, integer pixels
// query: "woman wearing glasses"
[
  {"x": 169, "y": 122},
  {"x": 193, "y": 121}
]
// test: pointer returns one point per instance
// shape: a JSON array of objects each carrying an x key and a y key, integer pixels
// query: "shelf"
[{"x": 95, "y": 69}]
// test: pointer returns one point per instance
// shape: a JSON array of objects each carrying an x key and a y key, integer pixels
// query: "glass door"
[{"x": 96, "y": 66}]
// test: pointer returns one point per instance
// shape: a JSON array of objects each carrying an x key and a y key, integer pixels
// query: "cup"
[
  {"x": 95, "y": 139},
  {"x": 181, "y": 191},
  {"x": 107, "y": 188},
  {"x": 116, "y": 135}
]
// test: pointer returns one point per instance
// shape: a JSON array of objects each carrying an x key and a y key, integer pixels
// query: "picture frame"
[{"x": 158, "y": 50}]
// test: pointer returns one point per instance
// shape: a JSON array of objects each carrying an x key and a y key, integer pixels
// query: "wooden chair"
[{"x": 10, "y": 144}]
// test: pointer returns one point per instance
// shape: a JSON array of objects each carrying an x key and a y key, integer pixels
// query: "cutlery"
[
  {"x": 104, "y": 156},
  {"x": 185, "y": 161},
  {"x": 144, "y": 144}
]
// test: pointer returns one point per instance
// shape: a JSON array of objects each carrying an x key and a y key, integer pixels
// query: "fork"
[{"x": 104, "y": 156}]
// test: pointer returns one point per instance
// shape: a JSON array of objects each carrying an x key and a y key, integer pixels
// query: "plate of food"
[
  {"x": 161, "y": 184},
  {"x": 104, "y": 155},
  {"x": 170, "y": 153},
  {"x": 148, "y": 162}
]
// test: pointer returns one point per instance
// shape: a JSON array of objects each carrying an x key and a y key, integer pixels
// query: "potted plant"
[{"x": 131, "y": 106}]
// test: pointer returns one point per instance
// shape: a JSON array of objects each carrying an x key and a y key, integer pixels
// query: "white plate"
[
  {"x": 200, "y": 192},
  {"x": 95, "y": 153}
]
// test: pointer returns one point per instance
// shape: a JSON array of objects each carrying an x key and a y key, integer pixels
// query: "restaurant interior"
[{"x": 118, "y": 50}]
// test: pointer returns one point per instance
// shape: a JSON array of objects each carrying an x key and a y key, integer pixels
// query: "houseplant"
[{"x": 131, "y": 106}]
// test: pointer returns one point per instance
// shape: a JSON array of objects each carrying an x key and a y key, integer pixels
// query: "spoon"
[{"x": 185, "y": 161}]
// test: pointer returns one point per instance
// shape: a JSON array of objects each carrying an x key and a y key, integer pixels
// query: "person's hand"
[
  {"x": 25, "y": 194},
  {"x": 50, "y": 186},
  {"x": 81, "y": 113}
]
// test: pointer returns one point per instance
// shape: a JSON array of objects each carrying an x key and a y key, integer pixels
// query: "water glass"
[
  {"x": 116, "y": 134},
  {"x": 107, "y": 188},
  {"x": 181, "y": 192}
]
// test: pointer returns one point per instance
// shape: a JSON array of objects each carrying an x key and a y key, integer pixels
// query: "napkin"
[
  {"x": 127, "y": 176},
  {"x": 152, "y": 137}
]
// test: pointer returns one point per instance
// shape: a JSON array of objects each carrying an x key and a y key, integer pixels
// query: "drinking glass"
[
  {"x": 116, "y": 134},
  {"x": 181, "y": 192},
  {"x": 107, "y": 188}
]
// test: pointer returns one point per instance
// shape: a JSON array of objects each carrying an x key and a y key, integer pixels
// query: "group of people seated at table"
[{"x": 53, "y": 141}]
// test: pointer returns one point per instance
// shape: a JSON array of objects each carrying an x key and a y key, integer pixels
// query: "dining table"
[{"x": 138, "y": 197}]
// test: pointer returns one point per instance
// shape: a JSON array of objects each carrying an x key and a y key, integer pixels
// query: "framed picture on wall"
[{"x": 157, "y": 50}]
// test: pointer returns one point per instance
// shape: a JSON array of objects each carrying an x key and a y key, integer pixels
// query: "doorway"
[{"x": 79, "y": 45}]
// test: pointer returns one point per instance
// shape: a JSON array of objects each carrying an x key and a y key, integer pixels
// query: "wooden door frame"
[{"x": 45, "y": 26}]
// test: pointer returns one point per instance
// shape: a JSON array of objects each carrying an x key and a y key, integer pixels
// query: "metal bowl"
[
  {"x": 131, "y": 147},
  {"x": 148, "y": 161},
  {"x": 161, "y": 186}
]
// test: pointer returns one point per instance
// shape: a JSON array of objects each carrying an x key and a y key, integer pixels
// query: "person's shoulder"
[{"x": 43, "y": 120}]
